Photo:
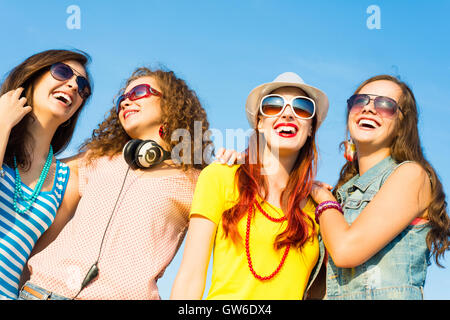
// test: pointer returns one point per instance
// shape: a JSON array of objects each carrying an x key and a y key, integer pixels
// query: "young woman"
[
  {"x": 133, "y": 211},
  {"x": 393, "y": 202},
  {"x": 257, "y": 215},
  {"x": 40, "y": 102}
]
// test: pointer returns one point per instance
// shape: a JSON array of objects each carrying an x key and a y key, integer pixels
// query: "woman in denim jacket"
[{"x": 393, "y": 204}]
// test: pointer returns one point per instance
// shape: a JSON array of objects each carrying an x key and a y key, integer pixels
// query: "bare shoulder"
[
  {"x": 74, "y": 161},
  {"x": 75, "y": 158},
  {"x": 414, "y": 180},
  {"x": 411, "y": 172}
]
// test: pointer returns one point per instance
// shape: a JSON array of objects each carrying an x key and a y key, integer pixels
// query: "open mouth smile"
[
  {"x": 367, "y": 124},
  {"x": 286, "y": 130},
  {"x": 65, "y": 98},
  {"x": 129, "y": 112}
]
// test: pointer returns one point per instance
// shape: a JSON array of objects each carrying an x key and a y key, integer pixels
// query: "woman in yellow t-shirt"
[{"x": 257, "y": 216}]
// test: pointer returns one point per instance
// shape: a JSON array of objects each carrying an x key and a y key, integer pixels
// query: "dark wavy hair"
[
  {"x": 24, "y": 75},
  {"x": 406, "y": 146},
  {"x": 180, "y": 109}
]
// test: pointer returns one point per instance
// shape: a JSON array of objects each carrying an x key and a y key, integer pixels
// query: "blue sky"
[{"x": 224, "y": 49}]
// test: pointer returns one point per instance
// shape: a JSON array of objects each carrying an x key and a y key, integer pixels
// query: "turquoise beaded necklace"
[{"x": 18, "y": 193}]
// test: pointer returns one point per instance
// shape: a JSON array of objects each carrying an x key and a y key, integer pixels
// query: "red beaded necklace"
[{"x": 247, "y": 244}]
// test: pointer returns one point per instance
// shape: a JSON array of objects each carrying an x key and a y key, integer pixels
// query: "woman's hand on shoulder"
[
  {"x": 229, "y": 156},
  {"x": 321, "y": 192}
]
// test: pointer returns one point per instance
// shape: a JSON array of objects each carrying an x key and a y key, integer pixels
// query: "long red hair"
[{"x": 251, "y": 182}]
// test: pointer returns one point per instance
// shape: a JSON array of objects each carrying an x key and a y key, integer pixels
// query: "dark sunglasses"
[
  {"x": 273, "y": 105},
  {"x": 384, "y": 106},
  {"x": 62, "y": 72},
  {"x": 138, "y": 92}
]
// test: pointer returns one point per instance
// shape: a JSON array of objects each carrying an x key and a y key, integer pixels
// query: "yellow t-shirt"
[{"x": 217, "y": 192}]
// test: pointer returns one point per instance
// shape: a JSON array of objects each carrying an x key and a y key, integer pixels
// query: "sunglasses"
[
  {"x": 273, "y": 105},
  {"x": 136, "y": 93},
  {"x": 62, "y": 72},
  {"x": 384, "y": 106}
]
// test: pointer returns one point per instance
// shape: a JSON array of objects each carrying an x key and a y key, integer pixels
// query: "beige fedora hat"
[{"x": 287, "y": 79}]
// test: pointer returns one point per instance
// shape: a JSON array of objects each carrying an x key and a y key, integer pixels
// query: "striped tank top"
[{"x": 19, "y": 232}]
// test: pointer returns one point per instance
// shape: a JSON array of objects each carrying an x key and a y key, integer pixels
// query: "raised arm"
[
  {"x": 403, "y": 197},
  {"x": 12, "y": 111}
]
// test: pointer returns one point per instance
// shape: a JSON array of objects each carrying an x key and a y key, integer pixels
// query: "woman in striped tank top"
[{"x": 40, "y": 102}]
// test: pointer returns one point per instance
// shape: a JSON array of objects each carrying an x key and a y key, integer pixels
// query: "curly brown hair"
[{"x": 180, "y": 108}]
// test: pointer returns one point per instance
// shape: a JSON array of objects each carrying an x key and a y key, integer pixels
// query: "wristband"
[{"x": 327, "y": 205}]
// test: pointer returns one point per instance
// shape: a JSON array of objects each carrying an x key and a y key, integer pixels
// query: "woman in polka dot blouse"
[{"x": 129, "y": 222}]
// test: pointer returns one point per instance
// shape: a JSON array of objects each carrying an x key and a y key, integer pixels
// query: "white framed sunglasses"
[{"x": 273, "y": 105}]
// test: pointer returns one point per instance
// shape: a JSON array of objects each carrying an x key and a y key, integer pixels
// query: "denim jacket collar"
[{"x": 364, "y": 181}]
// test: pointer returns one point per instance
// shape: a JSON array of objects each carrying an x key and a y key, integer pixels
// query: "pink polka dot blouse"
[{"x": 148, "y": 227}]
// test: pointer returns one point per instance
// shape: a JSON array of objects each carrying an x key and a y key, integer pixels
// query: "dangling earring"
[
  {"x": 350, "y": 150},
  {"x": 161, "y": 131}
]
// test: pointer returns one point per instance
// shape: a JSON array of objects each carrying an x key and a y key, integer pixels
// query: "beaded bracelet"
[
  {"x": 2, "y": 172},
  {"x": 327, "y": 205}
]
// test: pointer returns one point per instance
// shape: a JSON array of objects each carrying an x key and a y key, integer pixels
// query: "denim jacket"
[
  {"x": 398, "y": 270},
  {"x": 315, "y": 289}
]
